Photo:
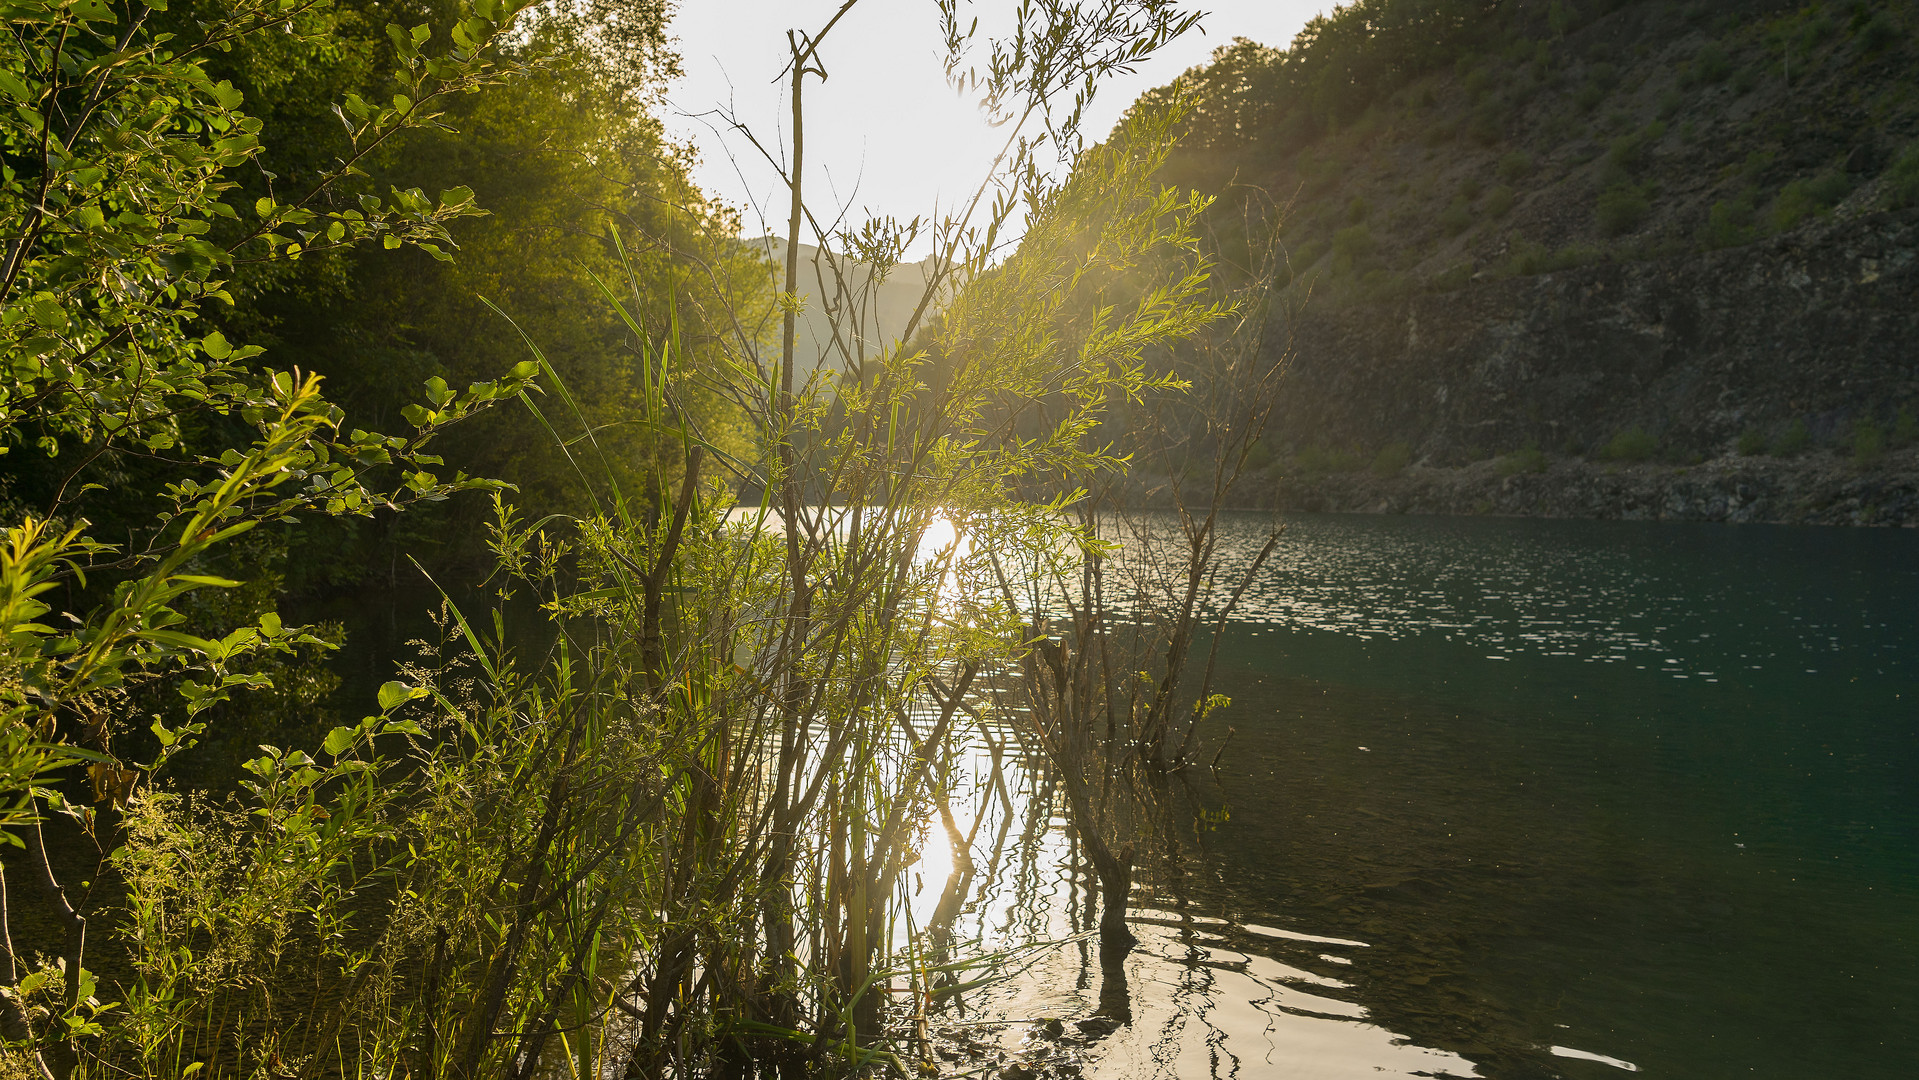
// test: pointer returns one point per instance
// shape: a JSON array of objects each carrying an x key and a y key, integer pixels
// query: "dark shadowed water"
[{"x": 1515, "y": 798}]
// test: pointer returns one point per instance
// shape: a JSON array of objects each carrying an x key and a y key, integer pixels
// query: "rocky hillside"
[{"x": 1575, "y": 254}]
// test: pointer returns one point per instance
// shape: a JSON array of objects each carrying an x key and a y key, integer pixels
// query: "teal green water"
[{"x": 1641, "y": 791}]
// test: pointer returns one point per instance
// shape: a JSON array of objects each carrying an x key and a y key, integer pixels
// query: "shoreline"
[{"x": 1816, "y": 488}]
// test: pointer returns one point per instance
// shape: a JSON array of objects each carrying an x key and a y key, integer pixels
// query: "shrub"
[
  {"x": 1391, "y": 458},
  {"x": 1305, "y": 254},
  {"x": 1803, "y": 198},
  {"x": 1752, "y": 442},
  {"x": 1477, "y": 82},
  {"x": 1902, "y": 180},
  {"x": 1499, "y": 201},
  {"x": 1744, "y": 80},
  {"x": 1709, "y": 64},
  {"x": 1514, "y": 166},
  {"x": 1905, "y": 429},
  {"x": 1315, "y": 460},
  {"x": 1878, "y": 33},
  {"x": 1622, "y": 208},
  {"x": 1351, "y": 244},
  {"x": 1456, "y": 218},
  {"x": 1356, "y": 210},
  {"x": 1729, "y": 223},
  {"x": 1632, "y": 444},
  {"x": 1588, "y": 96},
  {"x": 1868, "y": 441},
  {"x": 1793, "y": 440},
  {"x": 1527, "y": 459},
  {"x": 1456, "y": 276},
  {"x": 1669, "y": 105}
]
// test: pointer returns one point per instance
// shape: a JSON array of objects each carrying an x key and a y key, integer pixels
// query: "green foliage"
[
  {"x": 1710, "y": 64},
  {"x": 1868, "y": 441},
  {"x": 1752, "y": 442},
  {"x": 1529, "y": 257},
  {"x": 1514, "y": 166},
  {"x": 1352, "y": 245},
  {"x": 1457, "y": 217},
  {"x": 1319, "y": 460},
  {"x": 1391, "y": 458},
  {"x": 1499, "y": 201},
  {"x": 1632, "y": 444},
  {"x": 1905, "y": 428},
  {"x": 1744, "y": 80},
  {"x": 1622, "y": 208},
  {"x": 1793, "y": 440},
  {"x": 1730, "y": 222},
  {"x": 1454, "y": 277},
  {"x": 1526, "y": 459},
  {"x": 1801, "y": 199},
  {"x": 1902, "y": 178},
  {"x": 1356, "y": 210},
  {"x": 1879, "y": 33},
  {"x": 1669, "y": 105}
]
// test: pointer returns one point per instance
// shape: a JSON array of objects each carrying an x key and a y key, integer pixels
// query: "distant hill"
[
  {"x": 1584, "y": 237},
  {"x": 886, "y": 305}
]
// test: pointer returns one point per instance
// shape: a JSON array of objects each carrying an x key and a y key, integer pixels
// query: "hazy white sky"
[{"x": 884, "y": 133}]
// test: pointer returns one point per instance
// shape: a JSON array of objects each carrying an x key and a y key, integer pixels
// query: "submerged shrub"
[{"x": 1632, "y": 444}]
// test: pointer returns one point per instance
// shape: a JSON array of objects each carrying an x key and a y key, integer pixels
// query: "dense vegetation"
[
  {"x": 1429, "y": 148},
  {"x": 647, "y": 799}
]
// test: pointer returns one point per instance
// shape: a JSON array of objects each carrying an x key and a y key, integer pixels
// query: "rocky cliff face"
[{"x": 1803, "y": 344}]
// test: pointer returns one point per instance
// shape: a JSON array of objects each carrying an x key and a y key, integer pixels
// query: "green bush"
[
  {"x": 1456, "y": 218},
  {"x": 1514, "y": 166},
  {"x": 1729, "y": 223},
  {"x": 1622, "y": 208},
  {"x": 1868, "y": 441},
  {"x": 1669, "y": 105},
  {"x": 1752, "y": 442},
  {"x": 1744, "y": 80},
  {"x": 1588, "y": 96},
  {"x": 1527, "y": 459},
  {"x": 1499, "y": 201},
  {"x": 1632, "y": 444},
  {"x": 1391, "y": 458},
  {"x": 1456, "y": 276},
  {"x": 1357, "y": 210},
  {"x": 1710, "y": 64},
  {"x": 1902, "y": 180},
  {"x": 1878, "y": 33},
  {"x": 1315, "y": 460},
  {"x": 1801, "y": 199},
  {"x": 1305, "y": 254},
  {"x": 1905, "y": 429},
  {"x": 1793, "y": 440}
]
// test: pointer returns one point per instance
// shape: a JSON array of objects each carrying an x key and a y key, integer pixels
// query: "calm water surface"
[{"x": 1514, "y": 798}]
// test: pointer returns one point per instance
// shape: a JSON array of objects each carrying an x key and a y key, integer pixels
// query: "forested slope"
[{"x": 1581, "y": 239}]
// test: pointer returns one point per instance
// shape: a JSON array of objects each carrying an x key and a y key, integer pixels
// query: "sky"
[{"x": 885, "y": 134}]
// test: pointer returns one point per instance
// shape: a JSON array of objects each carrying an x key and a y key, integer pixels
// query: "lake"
[{"x": 1518, "y": 798}]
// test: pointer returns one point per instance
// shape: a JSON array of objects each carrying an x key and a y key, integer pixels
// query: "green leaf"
[
  {"x": 394, "y": 694},
  {"x": 340, "y": 738},
  {"x": 216, "y": 345}
]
